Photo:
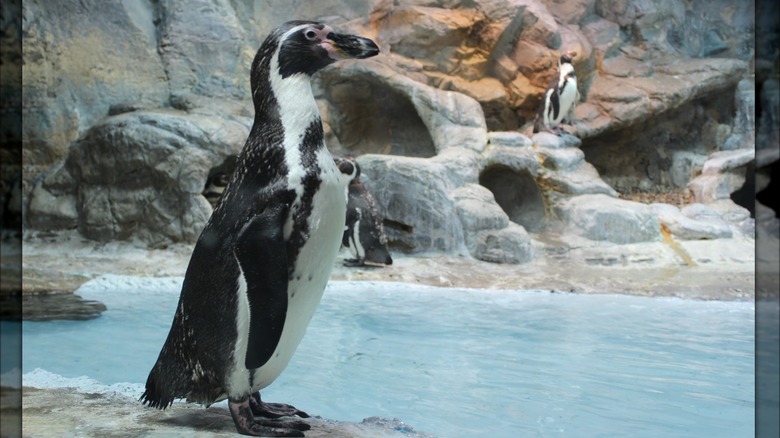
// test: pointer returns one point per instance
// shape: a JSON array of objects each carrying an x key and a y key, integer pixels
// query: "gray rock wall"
[
  {"x": 130, "y": 104},
  {"x": 80, "y": 60}
]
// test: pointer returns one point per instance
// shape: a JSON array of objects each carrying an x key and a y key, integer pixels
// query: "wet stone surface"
[
  {"x": 59, "y": 306},
  {"x": 115, "y": 415}
]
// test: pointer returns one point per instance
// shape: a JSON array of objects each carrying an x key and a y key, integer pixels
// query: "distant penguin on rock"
[
  {"x": 560, "y": 99},
  {"x": 260, "y": 266},
  {"x": 364, "y": 234}
]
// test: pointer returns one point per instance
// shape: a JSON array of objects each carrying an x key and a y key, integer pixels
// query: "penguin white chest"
[
  {"x": 567, "y": 98},
  {"x": 325, "y": 229},
  {"x": 312, "y": 268},
  {"x": 355, "y": 246}
]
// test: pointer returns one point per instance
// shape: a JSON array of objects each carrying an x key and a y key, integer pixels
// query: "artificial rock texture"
[{"x": 128, "y": 105}]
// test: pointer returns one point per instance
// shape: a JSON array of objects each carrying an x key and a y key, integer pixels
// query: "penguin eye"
[{"x": 310, "y": 35}]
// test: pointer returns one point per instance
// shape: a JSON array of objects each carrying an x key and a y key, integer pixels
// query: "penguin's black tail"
[
  {"x": 168, "y": 378},
  {"x": 173, "y": 378},
  {"x": 158, "y": 394}
]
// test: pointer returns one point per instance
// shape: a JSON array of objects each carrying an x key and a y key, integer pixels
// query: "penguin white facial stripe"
[
  {"x": 298, "y": 111},
  {"x": 297, "y": 107}
]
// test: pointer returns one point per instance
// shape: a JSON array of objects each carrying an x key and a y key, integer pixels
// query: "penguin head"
[
  {"x": 349, "y": 168},
  {"x": 308, "y": 46},
  {"x": 567, "y": 57},
  {"x": 565, "y": 67}
]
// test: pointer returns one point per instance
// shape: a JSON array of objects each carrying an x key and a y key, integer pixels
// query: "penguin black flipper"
[{"x": 261, "y": 252}]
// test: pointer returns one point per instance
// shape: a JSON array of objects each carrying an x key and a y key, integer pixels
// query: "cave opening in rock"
[
  {"x": 371, "y": 118},
  {"x": 399, "y": 236},
  {"x": 653, "y": 161},
  {"x": 745, "y": 196},
  {"x": 518, "y": 195}
]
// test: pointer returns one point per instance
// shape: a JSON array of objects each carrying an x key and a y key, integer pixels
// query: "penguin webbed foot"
[
  {"x": 246, "y": 424},
  {"x": 273, "y": 410},
  {"x": 554, "y": 131}
]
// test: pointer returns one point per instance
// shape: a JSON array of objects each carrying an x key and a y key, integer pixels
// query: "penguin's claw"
[
  {"x": 274, "y": 410},
  {"x": 247, "y": 424}
]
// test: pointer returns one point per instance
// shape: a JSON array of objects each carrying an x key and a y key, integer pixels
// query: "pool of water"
[{"x": 455, "y": 362}]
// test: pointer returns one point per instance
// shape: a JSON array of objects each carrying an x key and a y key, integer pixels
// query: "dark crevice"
[
  {"x": 664, "y": 153},
  {"x": 398, "y": 226},
  {"x": 518, "y": 195}
]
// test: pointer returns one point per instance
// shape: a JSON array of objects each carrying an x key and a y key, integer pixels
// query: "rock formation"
[{"x": 129, "y": 105}]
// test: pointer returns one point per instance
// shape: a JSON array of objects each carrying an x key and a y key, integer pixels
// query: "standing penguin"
[
  {"x": 364, "y": 234},
  {"x": 560, "y": 99},
  {"x": 261, "y": 264}
]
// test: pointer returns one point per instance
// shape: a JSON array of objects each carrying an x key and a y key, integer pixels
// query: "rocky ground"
[{"x": 104, "y": 415}]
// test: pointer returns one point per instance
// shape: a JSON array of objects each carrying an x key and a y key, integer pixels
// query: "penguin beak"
[{"x": 341, "y": 46}]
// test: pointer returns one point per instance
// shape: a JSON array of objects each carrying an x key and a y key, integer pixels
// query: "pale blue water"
[{"x": 460, "y": 363}]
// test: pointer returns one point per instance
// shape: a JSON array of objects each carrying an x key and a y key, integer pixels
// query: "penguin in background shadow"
[
  {"x": 560, "y": 99},
  {"x": 364, "y": 233},
  {"x": 260, "y": 266},
  {"x": 218, "y": 179}
]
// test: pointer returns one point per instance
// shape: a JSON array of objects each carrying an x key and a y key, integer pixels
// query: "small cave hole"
[
  {"x": 398, "y": 235},
  {"x": 767, "y": 186},
  {"x": 518, "y": 195},
  {"x": 745, "y": 196},
  {"x": 369, "y": 118}
]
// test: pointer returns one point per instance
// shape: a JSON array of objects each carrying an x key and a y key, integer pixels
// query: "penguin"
[
  {"x": 349, "y": 171},
  {"x": 364, "y": 234},
  {"x": 260, "y": 266},
  {"x": 218, "y": 179},
  {"x": 560, "y": 99}
]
